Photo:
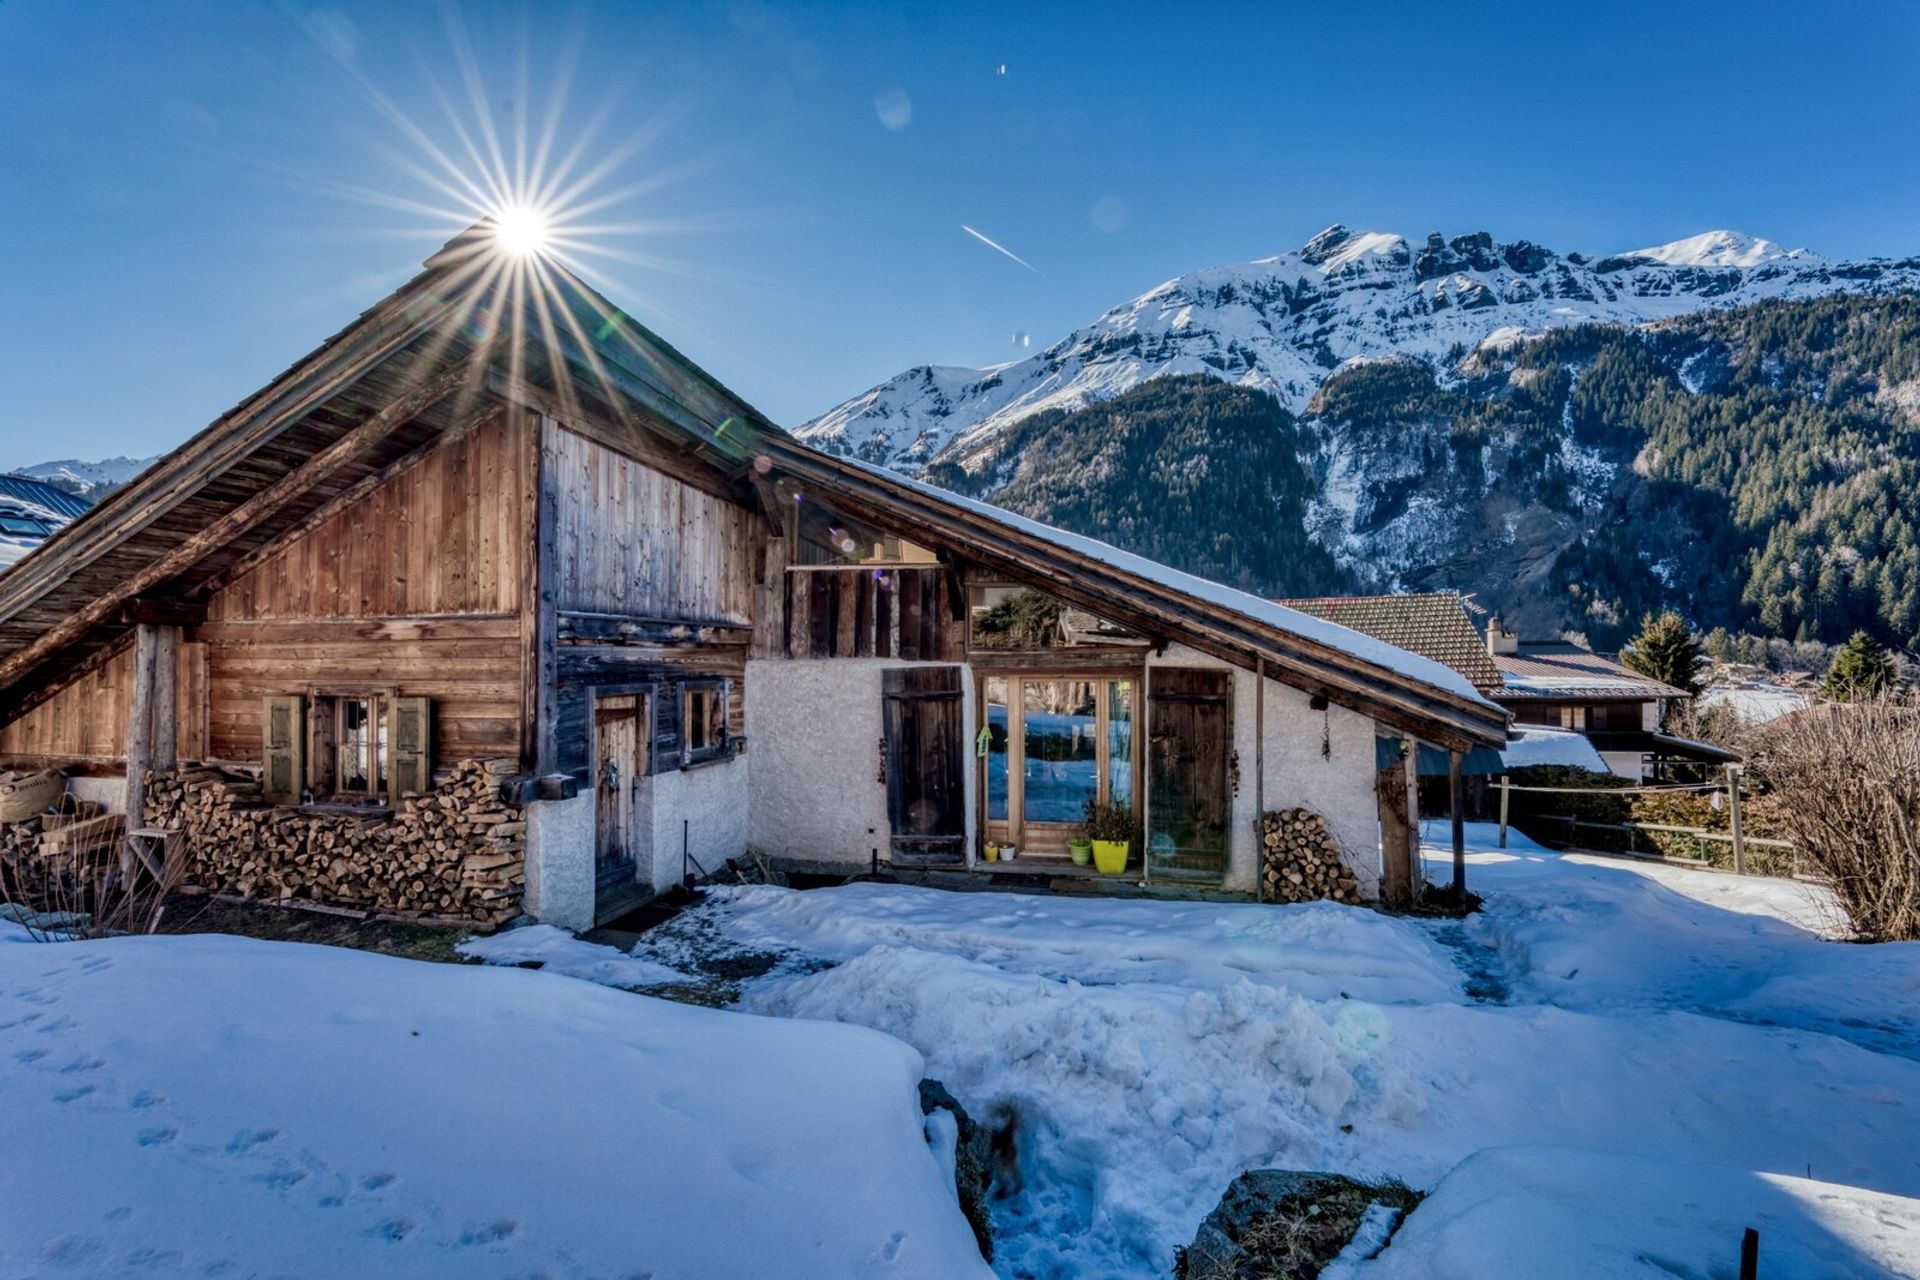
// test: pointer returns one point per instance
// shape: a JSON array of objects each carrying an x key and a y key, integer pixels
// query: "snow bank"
[
  {"x": 213, "y": 1106},
  {"x": 1538, "y": 745},
  {"x": 1319, "y": 950},
  {"x": 557, "y": 951},
  {"x": 1536, "y": 1211},
  {"x": 1598, "y": 933}
]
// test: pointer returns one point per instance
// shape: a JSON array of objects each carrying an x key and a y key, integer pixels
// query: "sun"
[{"x": 522, "y": 230}]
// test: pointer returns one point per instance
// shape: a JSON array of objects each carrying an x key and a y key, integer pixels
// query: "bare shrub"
[
  {"x": 1847, "y": 779},
  {"x": 94, "y": 887}
]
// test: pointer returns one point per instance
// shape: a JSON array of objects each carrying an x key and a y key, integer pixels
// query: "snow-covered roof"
[
  {"x": 1267, "y": 613},
  {"x": 1533, "y": 745},
  {"x": 1556, "y": 669}
]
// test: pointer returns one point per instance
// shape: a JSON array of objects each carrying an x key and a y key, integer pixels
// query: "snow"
[
  {"x": 1702, "y": 1031},
  {"x": 1717, "y": 249},
  {"x": 1536, "y": 1211},
  {"x": 214, "y": 1106},
  {"x": 1756, "y": 703},
  {"x": 1541, "y": 745},
  {"x": 555, "y": 950},
  {"x": 1342, "y": 639},
  {"x": 85, "y": 477}
]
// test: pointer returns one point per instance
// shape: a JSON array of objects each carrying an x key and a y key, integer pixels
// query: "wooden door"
[
  {"x": 1189, "y": 790},
  {"x": 620, "y": 763},
  {"x": 926, "y": 762}
]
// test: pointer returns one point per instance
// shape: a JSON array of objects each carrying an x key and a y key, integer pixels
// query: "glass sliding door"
[{"x": 1051, "y": 746}]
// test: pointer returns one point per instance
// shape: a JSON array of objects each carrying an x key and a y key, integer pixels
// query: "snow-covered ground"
[
  {"x": 1612, "y": 1071},
  {"x": 210, "y": 1106},
  {"x": 1641, "y": 1060}
]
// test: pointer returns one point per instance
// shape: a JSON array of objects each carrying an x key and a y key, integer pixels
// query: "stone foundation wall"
[{"x": 456, "y": 851}]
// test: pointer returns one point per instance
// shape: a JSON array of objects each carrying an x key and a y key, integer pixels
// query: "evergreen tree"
[
  {"x": 1666, "y": 650},
  {"x": 1860, "y": 670}
]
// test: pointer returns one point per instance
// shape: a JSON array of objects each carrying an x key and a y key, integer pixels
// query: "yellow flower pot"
[
  {"x": 1110, "y": 856},
  {"x": 993, "y": 853}
]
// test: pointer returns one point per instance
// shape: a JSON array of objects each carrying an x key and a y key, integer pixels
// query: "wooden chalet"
[{"x": 495, "y": 603}]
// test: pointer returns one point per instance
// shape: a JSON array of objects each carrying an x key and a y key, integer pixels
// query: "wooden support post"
[
  {"x": 1506, "y": 784},
  {"x": 1259, "y": 777},
  {"x": 1733, "y": 820},
  {"x": 1396, "y": 841},
  {"x": 1414, "y": 863},
  {"x": 1456, "y": 805},
  {"x": 152, "y": 738},
  {"x": 545, "y": 665}
]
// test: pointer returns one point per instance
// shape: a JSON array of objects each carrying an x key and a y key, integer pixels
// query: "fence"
[{"x": 1692, "y": 846}]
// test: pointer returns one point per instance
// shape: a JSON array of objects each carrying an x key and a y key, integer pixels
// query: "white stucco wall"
[
  {"x": 560, "y": 861},
  {"x": 110, "y": 793},
  {"x": 712, "y": 800},
  {"x": 815, "y": 726},
  {"x": 1338, "y": 787}
]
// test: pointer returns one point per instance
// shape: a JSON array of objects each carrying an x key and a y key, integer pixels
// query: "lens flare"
[{"x": 522, "y": 230}]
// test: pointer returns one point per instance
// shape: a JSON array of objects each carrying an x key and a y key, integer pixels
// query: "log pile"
[
  {"x": 457, "y": 851},
  {"x": 1301, "y": 861}
]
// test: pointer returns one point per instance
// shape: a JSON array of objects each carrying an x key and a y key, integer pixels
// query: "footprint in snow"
[
  {"x": 82, "y": 1064},
  {"x": 34, "y": 995},
  {"x": 154, "y": 1259},
  {"x": 491, "y": 1233},
  {"x": 891, "y": 1249},
  {"x": 157, "y": 1137},
  {"x": 94, "y": 964},
  {"x": 74, "y": 1094},
  {"x": 375, "y": 1181},
  {"x": 250, "y": 1139},
  {"x": 394, "y": 1229},
  {"x": 57, "y": 1024},
  {"x": 30, "y": 1055},
  {"x": 283, "y": 1179},
  {"x": 146, "y": 1098}
]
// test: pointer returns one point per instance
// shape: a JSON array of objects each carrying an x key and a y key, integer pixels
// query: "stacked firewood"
[
  {"x": 457, "y": 851},
  {"x": 1301, "y": 859}
]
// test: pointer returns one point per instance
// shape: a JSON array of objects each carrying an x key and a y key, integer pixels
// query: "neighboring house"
[
  {"x": 30, "y": 511},
  {"x": 1558, "y": 684},
  {"x": 498, "y": 543}
]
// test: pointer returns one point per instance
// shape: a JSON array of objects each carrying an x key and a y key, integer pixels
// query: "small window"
[
  {"x": 12, "y": 523},
  {"x": 1573, "y": 718},
  {"x": 703, "y": 709}
]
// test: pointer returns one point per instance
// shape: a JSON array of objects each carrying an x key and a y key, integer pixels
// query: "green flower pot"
[{"x": 1082, "y": 851}]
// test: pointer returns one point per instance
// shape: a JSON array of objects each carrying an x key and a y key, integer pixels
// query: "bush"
[
  {"x": 1847, "y": 780},
  {"x": 1541, "y": 817}
]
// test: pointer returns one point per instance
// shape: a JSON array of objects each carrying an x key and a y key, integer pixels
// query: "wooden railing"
[{"x": 913, "y": 612}]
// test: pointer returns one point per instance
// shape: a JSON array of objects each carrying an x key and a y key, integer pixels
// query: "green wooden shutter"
[
  {"x": 283, "y": 748},
  {"x": 409, "y": 746}
]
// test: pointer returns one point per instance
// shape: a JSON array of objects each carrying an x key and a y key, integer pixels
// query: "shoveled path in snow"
[{"x": 1152, "y": 1050}]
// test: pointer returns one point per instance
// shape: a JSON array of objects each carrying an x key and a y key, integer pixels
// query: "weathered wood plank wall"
[
  {"x": 443, "y": 534},
  {"x": 87, "y": 721},
  {"x": 636, "y": 541}
]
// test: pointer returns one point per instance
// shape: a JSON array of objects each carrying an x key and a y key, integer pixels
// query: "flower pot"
[
  {"x": 1007, "y": 852},
  {"x": 1110, "y": 856},
  {"x": 993, "y": 853},
  {"x": 1082, "y": 850}
]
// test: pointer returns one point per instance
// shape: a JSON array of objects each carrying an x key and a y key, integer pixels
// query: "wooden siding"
[
  {"x": 898, "y": 612},
  {"x": 87, "y": 720},
  {"x": 443, "y": 534},
  {"x": 469, "y": 667},
  {"x": 636, "y": 541},
  {"x": 620, "y": 666}
]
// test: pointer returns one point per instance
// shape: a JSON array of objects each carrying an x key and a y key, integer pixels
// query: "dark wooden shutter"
[
  {"x": 926, "y": 762},
  {"x": 1190, "y": 740},
  {"x": 409, "y": 746},
  {"x": 665, "y": 757},
  {"x": 283, "y": 747}
]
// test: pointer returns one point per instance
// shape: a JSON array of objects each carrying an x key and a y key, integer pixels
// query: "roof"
[
  {"x": 468, "y": 332},
  {"x": 1558, "y": 670},
  {"x": 1432, "y": 624},
  {"x": 39, "y": 493},
  {"x": 1538, "y": 744}
]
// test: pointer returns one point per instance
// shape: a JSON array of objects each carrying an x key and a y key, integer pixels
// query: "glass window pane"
[
  {"x": 1120, "y": 741},
  {"x": 997, "y": 749},
  {"x": 1062, "y": 768}
]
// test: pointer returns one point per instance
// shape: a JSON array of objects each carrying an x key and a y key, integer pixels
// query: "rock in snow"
[{"x": 1285, "y": 323}]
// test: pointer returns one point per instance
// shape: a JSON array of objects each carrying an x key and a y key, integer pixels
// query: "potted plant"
[
  {"x": 1110, "y": 828},
  {"x": 1081, "y": 847}
]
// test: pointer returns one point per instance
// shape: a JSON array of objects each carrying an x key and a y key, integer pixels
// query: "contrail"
[{"x": 999, "y": 248}]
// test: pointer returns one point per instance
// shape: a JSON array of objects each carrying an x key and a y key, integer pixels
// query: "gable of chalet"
[{"x": 472, "y": 333}]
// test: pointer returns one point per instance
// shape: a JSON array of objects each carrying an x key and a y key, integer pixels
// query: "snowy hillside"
[{"x": 1285, "y": 323}]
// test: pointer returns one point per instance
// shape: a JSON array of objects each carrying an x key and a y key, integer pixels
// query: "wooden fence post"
[
  {"x": 1733, "y": 820},
  {"x": 1505, "y": 782},
  {"x": 1457, "y": 818}
]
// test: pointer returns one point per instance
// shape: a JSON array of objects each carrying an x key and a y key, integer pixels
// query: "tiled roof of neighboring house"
[
  {"x": 1433, "y": 624},
  {"x": 1557, "y": 669}
]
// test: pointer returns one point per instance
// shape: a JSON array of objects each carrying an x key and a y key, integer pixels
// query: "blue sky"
[{"x": 193, "y": 194}]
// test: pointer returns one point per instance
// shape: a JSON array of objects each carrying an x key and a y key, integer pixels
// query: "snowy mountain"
[
  {"x": 88, "y": 479},
  {"x": 1284, "y": 324}
]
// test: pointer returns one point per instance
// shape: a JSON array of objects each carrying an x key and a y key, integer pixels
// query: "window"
[
  {"x": 703, "y": 713},
  {"x": 1573, "y": 718},
  {"x": 1051, "y": 745},
  {"x": 360, "y": 749},
  {"x": 14, "y": 522}
]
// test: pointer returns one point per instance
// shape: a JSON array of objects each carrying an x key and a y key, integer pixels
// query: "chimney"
[{"x": 1501, "y": 641}]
